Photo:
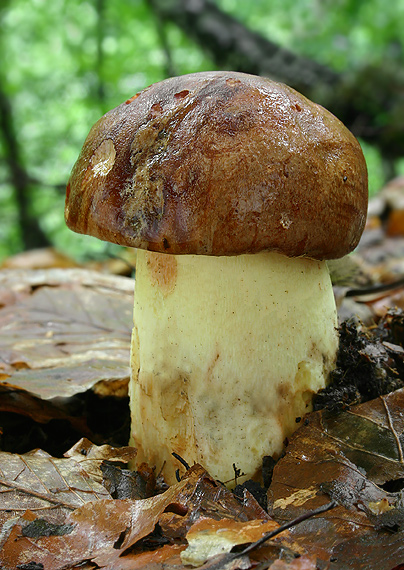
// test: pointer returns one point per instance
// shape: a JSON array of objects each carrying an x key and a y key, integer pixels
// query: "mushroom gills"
[{"x": 226, "y": 353}]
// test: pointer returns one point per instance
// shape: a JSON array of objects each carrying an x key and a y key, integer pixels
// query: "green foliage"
[
  {"x": 345, "y": 35},
  {"x": 66, "y": 62},
  {"x": 339, "y": 33}
]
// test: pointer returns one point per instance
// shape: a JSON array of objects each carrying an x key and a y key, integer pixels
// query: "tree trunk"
[{"x": 32, "y": 235}]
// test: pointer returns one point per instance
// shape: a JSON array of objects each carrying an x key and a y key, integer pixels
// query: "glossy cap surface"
[{"x": 221, "y": 163}]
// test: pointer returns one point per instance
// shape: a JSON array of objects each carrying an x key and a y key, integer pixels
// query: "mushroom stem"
[{"x": 226, "y": 353}]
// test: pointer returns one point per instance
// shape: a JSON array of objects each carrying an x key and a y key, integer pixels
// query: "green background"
[{"x": 63, "y": 63}]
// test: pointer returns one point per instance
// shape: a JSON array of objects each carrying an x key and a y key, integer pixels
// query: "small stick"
[
  {"x": 373, "y": 289},
  {"x": 285, "y": 526},
  {"x": 181, "y": 460},
  {"x": 42, "y": 496}
]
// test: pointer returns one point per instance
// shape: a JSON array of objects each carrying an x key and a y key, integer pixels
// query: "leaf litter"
[
  {"x": 347, "y": 454},
  {"x": 72, "y": 326},
  {"x": 109, "y": 532},
  {"x": 351, "y": 457},
  {"x": 354, "y": 457},
  {"x": 64, "y": 358}
]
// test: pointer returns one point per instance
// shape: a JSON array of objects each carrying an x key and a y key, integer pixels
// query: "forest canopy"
[{"x": 66, "y": 62}]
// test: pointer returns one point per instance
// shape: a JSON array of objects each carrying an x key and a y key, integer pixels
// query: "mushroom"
[{"x": 235, "y": 190}]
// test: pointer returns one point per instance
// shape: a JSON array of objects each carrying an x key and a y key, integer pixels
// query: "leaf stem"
[
  {"x": 42, "y": 496},
  {"x": 285, "y": 526}
]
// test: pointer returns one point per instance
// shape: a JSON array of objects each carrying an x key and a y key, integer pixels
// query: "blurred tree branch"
[
  {"x": 233, "y": 46},
  {"x": 358, "y": 98},
  {"x": 100, "y": 34}
]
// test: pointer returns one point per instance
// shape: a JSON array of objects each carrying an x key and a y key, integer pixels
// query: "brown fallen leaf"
[
  {"x": 121, "y": 263},
  {"x": 163, "y": 558},
  {"x": 45, "y": 485},
  {"x": 210, "y": 537},
  {"x": 98, "y": 531},
  {"x": 90, "y": 456},
  {"x": 63, "y": 332},
  {"x": 16, "y": 400},
  {"x": 205, "y": 497},
  {"x": 301, "y": 563},
  {"x": 355, "y": 457},
  {"x": 384, "y": 552},
  {"x": 52, "y": 487},
  {"x": 111, "y": 533}
]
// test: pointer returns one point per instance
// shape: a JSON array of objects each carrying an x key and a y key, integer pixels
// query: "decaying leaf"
[
  {"x": 66, "y": 332},
  {"x": 91, "y": 456},
  {"x": 17, "y": 400},
  {"x": 356, "y": 458},
  {"x": 301, "y": 563},
  {"x": 100, "y": 531},
  {"x": 347, "y": 456},
  {"x": 205, "y": 497},
  {"x": 63, "y": 332},
  {"x": 209, "y": 537},
  {"x": 41, "y": 258},
  {"x": 116, "y": 533},
  {"x": 47, "y": 486}
]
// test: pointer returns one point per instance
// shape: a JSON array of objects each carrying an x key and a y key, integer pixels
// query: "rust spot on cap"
[
  {"x": 181, "y": 94},
  {"x": 156, "y": 109},
  {"x": 132, "y": 99}
]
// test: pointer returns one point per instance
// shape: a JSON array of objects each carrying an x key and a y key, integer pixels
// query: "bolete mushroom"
[{"x": 236, "y": 190}]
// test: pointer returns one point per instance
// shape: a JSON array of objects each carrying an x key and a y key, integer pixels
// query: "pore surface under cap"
[{"x": 221, "y": 163}]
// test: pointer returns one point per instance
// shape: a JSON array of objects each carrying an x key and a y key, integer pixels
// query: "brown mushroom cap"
[{"x": 221, "y": 163}]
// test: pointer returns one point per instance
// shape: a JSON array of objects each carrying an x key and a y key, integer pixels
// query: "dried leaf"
[
  {"x": 354, "y": 457},
  {"x": 209, "y": 537},
  {"x": 16, "y": 400},
  {"x": 36, "y": 481},
  {"x": 64, "y": 331},
  {"x": 91, "y": 456},
  {"x": 110, "y": 532},
  {"x": 301, "y": 563},
  {"x": 226, "y": 562},
  {"x": 45, "y": 485},
  {"x": 40, "y": 258},
  {"x": 127, "y": 484},
  {"x": 382, "y": 552},
  {"x": 164, "y": 558},
  {"x": 101, "y": 532},
  {"x": 203, "y": 496}
]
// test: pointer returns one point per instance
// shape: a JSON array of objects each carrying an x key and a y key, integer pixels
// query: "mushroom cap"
[{"x": 221, "y": 163}]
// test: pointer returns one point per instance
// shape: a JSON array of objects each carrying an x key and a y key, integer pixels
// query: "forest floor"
[{"x": 335, "y": 499}]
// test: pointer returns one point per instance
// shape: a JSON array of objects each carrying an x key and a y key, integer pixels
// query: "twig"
[
  {"x": 181, "y": 460},
  {"x": 389, "y": 418},
  {"x": 42, "y": 496},
  {"x": 294, "y": 522},
  {"x": 373, "y": 289}
]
